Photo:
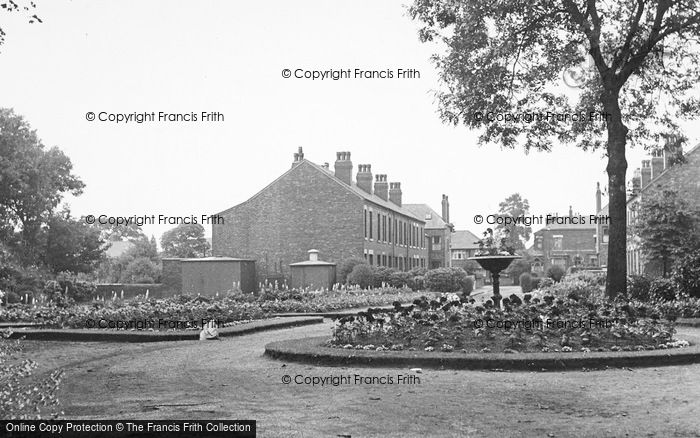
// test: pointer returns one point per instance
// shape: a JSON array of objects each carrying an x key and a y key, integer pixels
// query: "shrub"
[
  {"x": 11, "y": 298},
  {"x": 445, "y": 279},
  {"x": 399, "y": 279},
  {"x": 686, "y": 274},
  {"x": 382, "y": 275},
  {"x": 416, "y": 283},
  {"x": 525, "y": 282},
  {"x": 662, "y": 289},
  {"x": 67, "y": 287},
  {"x": 141, "y": 270},
  {"x": 418, "y": 272},
  {"x": 555, "y": 272},
  {"x": 638, "y": 287},
  {"x": 346, "y": 267},
  {"x": 468, "y": 285},
  {"x": 362, "y": 275}
]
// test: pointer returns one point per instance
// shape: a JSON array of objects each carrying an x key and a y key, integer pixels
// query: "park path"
[{"x": 231, "y": 379}]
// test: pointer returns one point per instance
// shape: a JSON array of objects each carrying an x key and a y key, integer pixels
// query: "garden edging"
[
  {"x": 312, "y": 350},
  {"x": 95, "y": 335}
]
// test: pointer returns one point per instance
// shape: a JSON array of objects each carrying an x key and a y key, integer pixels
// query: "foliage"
[
  {"x": 346, "y": 267},
  {"x": 636, "y": 62},
  {"x": 19, "y": 7},
  {"x": 34, "y": 180},
  {"x": 686, "y": 274},
  {"x": 514, "y": 206},
  {"x": 71, "y": 244},
  {"x": 185, "y": 241},
  {"x": 140, "y": 270},
  {"x": 382, "y": 275},
  {"x": 555, "y": 272},
  {"x": 22, "y": 396},
  {"x": 487, "y": 245},
  {"x": 362, "y": 275},
  {"x": 667, "y": 227},
  {"x": 638, "y": 287},
  {"x": 468, "y": 286},
  {"x": 67, "y": 287},
  {"x": 446, "y": 279},
  {"x": 536, "y": 326},
  {"x": 662, "y": 289},
  {"x": 116, "y": 270},
  {"x": 525, "y": 282}
]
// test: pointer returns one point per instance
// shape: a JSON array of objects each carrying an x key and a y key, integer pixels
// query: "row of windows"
[
  {"x": 400, "y": 233},
  {"x": 399, "y": 262}
]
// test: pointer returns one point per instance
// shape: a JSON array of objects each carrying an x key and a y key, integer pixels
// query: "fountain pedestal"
[{"x": 495, "y": 264}]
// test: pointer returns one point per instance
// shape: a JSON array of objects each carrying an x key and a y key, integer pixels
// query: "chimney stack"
[
  {"x": 657, "y": 164},
  {"x": 646, "y": 173},
  {"x": 445, "y": 209},
  {"x": 298, "y": 156},
  {"x": 343, "y": 167},
  {"x": 395, "y": 193},
  {"x": 571, "y": 212},
  {"x": 381, "y": 187},
  {"x": 636, "y": 182},
  {"x": 364, "y": 177},
  {"x": 598, "y": 204}
]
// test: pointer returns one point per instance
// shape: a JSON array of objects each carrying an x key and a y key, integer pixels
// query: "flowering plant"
[{"x": 487, "y": 245}]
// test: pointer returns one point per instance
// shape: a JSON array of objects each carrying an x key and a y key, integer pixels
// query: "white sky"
[{"x": 225, "y": 56}]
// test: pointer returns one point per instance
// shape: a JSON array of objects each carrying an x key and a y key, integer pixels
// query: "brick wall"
[{"x": 301, "y": 210}]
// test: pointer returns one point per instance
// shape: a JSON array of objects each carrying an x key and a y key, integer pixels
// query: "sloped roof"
[
  {"x": 464, "y": 239},
  {"x": 352, "y": 188},
  {"x": 427, "y": 214}
]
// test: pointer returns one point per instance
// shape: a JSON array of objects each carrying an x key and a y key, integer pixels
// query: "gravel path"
[{"x": 231, "y": 379}]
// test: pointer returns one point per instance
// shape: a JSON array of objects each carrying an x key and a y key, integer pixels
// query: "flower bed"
[
  {"x": 548, "y": 325},
  {"x": 231, "y": 309}
]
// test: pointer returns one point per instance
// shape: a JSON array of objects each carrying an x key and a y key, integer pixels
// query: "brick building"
[
  {"x": 657, "y": 174},
  {"x": 312, "y": 206},
  {"x": 463, "y": 246},
  {"x": 438, "y": 231}
]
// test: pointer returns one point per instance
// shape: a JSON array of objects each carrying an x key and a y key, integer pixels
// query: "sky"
[{"x": 122, "y": 57}]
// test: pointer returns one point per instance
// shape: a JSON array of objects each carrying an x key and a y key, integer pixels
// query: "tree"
[
  {"x": 505, "y": 58},
  {"x": 34, "y": 181},
  {"x": 114, "y": 232},
  {"x": 72, "y": 245},
  {"x": 667, "y": 227},
  {"x": 26, "y": 8},
  {"x": 185, "y": 241},
  {"x": 514, "y": 207}
]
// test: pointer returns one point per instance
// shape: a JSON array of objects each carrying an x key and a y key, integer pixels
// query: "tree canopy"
[
  {"x": 514, "y": 206},
  {"x": 503, "y": 71},
  {"x": 185, "y": 241}
]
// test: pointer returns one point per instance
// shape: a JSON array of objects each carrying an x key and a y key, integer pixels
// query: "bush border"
[
  {"x": 100, "y": 335},
  {"x": 311, "y": 350}
]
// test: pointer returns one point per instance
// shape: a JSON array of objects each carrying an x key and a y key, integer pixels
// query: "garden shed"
[
  {"x": 313, "y": 273},
  {"x": 209, "y": 275}
]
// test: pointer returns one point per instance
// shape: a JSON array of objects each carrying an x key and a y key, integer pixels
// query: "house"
[
  {"x": 438, "y": 231},
  {"x": 661, "y": 172},
  {"x": 311, "y": 206},
  {"x": 567, "y": 241}
]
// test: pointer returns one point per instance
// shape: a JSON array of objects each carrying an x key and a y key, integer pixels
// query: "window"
[
  {"x": 459, "y": 254},
  {"x": 384, "y": 259},
  {"x": 379, "y": 227},
  {"x": 389, "y": 230},
  {"x": 557, "y": 243},
  {"x": 437, "y": 246},
  {"x": 384, "y": 228},
  {"x": 605, "y": 235},
  {"x": 422, "y": 238},
  {"x": 365, "y": 223},
  {"x": 370, "y": 226},
  {"x": 371, "y": 258}
]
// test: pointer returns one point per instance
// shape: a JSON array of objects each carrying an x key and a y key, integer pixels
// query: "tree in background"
[
  {"x": 513, "y": 207},
  {"x": 34, "y": 181},
  {"x": 185, "y": 241},
  {"x": 115, "y": 233},
  {"x": 667, "y": 228},
  {"x": 72, "y": 245},
  {"x": 508, "y": 57}
]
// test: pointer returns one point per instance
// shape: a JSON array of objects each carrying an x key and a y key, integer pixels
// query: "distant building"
[
  {"x": 313, "y": 207},
  {"x": 438, "y": 231},
  {"x": 566, "y": 244},
  {"x": 463, "y": 246}
]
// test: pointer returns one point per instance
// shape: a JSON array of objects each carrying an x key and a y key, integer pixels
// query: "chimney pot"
[
  {"x": 395, "y": 194},
  {"x": 343, "y": 167},
  {"x": 313, "y": 255},
  {"x": 364, "y": 177},
  {"x": 381, "y": 188}
]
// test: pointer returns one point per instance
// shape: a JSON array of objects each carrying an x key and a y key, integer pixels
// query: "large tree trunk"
[{"x": 617, "y": 167}]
